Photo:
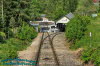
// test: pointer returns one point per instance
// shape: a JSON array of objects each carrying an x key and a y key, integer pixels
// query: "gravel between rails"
[{"x": 65, "y": 55}]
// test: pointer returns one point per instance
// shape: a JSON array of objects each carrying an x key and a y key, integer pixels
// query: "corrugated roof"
[{"x": 70, "y": 16}]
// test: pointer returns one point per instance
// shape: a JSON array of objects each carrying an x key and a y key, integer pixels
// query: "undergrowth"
[{"x": 91, "y": 44}]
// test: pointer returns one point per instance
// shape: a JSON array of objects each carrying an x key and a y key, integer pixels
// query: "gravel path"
[
  {"x": 30, "y": 52},
  {"x": 65, "y": 55}
]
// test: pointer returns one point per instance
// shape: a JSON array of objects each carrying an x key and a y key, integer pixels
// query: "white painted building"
[
  {"x": 63, "y": 20},
  {"x": 61, "y": 23},
  {"x": 45, "y": 25}
]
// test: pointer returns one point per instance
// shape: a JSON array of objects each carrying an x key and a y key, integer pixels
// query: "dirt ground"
[
  {"x": 66, "y": 56},
  {"x": 30, "y": 52},
  {"x": 70, "y": 57}
]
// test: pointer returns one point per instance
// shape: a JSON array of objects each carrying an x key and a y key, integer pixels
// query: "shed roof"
[{"x": 70, "y": 15}]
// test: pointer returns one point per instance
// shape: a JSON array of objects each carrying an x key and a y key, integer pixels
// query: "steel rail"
[
  {"x": 54, "y": 52},
  {"x": 52, "y": 47},
  {"x": 39, "y": 51}
]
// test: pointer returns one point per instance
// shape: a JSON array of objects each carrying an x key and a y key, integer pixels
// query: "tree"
[
  {"x": 12, "y": 22},
  {"x": 13, "y": 13},
  {"x": 25, "y": 10},
  {"x": 56, "y": 8},
  {"x": 99, "y": 5},
  {"x": 1, "y": 14},
  {"x": 86, "y": 7}
]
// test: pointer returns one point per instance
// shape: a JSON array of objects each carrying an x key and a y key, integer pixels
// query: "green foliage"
[
  {"x": 76, "y": 27},
  {"x": 54, "y": 9},
  {"x": 26, "y": 32},
  {"x": 12, "y": 22},
  {"x": 72, "y": 5},
  {"x": 91, "y": 45},
  {"x": 2, "y": 36},
  {"x": 0, "y": 16},
  {"x": 92, "y": 55},
  {"x": 9, "y": 49},
  {"x": 86, "y": 56},
  {"x": 15, "y": 13},
  {"x": 98, "y": 14},
  {"x": 86, "y": 7},
  {"x": 18, "y": 12},
  {"x": 9, "y": 33}
]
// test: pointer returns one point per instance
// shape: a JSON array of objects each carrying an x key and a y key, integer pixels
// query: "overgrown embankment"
[
  {"x": 78, "y": 30},
  {"x": 15, "y": 31},
  {"x": 18, "y": 40}
]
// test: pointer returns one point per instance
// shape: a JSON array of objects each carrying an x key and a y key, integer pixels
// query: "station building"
[
  {"x": 44, "y": 25},
  {"x": 62, "y": 23}
]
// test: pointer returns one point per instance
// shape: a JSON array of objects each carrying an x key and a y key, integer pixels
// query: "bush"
[
  {"x": 91, "y": 45},
  {"x": 18, "y": 44},
  {"x": 2, "y": 36},
  {"x": 92, "y": 54},
  {"x": 98, "y": 14},
  {"x": 9, "y": 49},
  {"x": 8, "y": 32},
  {"x": 26, "y": 32},
  {"x": 76, "y": 27}
]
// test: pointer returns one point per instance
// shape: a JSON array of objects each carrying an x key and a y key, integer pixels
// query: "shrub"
[
  {"x": 26, "y": 32},
  {"x": 17, "y": 44},
  {"x": 76, "y": 27},
  {"x": 92, "y": 54},
  {"x": 2, "y": 36},
  {"x": 91, "y": 45},
  {"x": 98, "y": 14},
  {"x": 8, "y": 50},
  {"x": 8, "y": 32}
]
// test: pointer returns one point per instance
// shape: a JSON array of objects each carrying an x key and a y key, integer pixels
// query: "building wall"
[{"x": 61, "y": 24}]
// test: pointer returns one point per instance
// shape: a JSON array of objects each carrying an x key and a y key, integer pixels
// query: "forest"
[
  {"x": 16, "y": 33},
  {"x": 15, "y": 15}
]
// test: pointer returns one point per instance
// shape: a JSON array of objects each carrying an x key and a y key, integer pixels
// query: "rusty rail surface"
[{"x": 52, "y": 47}]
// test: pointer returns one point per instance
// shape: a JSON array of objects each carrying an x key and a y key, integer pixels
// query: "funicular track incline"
[{"x": 46, "y": 54}]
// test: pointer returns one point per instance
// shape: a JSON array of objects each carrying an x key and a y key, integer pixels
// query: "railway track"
[{"x": 46, "y": 54}]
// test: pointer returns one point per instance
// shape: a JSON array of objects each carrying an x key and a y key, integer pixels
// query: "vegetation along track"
[{"x": 46, "y": 54}]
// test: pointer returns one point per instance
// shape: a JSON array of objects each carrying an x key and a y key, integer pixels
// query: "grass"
[
  {"x": 91, "y": 45},
  {"x": 8, "y": 50},
  {"x": 93, "y": 41}
]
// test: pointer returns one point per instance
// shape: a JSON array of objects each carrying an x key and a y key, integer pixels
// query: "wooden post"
[{"x": 90, "y": 39}]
